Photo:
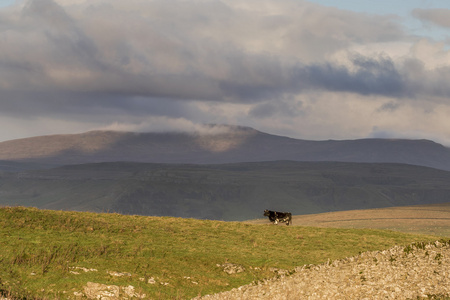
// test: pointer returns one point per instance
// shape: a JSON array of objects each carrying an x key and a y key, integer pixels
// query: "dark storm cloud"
[
  {"x": 100, "y": 107},
  {"x": 366, "y": 76},
  {"x": 371, "y": 76}
]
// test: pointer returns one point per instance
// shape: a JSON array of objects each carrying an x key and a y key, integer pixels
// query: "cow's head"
[{"x": 266, "y": 213}]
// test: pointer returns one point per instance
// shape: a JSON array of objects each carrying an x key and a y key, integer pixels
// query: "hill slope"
[
  {"x": 225, "y": 192},
  {"x": 225, "y": 145},
  {"x": 55, "y": 254}
]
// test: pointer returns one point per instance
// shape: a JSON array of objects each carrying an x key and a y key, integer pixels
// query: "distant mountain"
[
  {"x": 238, "y": 191},
  {"x": 226, "y": 145}
]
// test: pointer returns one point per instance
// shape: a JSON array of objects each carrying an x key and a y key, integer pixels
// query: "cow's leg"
[{"x": 275, "y": 222}]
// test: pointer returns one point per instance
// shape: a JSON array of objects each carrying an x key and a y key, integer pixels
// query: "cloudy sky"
[{"x": 316, "y": 70}]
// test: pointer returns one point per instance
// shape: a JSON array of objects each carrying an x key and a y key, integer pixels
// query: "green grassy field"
[{"x": 43, "y": 253}]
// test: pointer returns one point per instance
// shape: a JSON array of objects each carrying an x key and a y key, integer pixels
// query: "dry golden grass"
[{"x": 422, "y": 219}]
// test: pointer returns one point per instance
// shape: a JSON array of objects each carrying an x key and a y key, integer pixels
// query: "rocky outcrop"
[
  {"x": 94, "y": 290},
  {"x": 419, "y": 270},
  {"x": 230, "y": 268}
]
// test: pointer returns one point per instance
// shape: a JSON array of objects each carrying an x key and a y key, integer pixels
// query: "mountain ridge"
[{"x": 221, "y": 144}]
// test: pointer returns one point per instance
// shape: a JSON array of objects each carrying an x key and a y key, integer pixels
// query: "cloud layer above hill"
[{"x": 288, "y": 67}]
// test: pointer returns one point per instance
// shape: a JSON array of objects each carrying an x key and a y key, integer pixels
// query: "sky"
[{"x": 313, "y": 70}]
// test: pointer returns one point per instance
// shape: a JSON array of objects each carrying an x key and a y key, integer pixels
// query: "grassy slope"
[
  {"x": 431, "y": 219},
  {"x": 39, "y": 248}
]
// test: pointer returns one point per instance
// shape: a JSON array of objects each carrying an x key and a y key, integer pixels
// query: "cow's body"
[{"x": 276, "y": 216}]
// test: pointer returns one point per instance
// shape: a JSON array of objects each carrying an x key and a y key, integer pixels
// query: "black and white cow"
[{"x": 276, "y": 216}]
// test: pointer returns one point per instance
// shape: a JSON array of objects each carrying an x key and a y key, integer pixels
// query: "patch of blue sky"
[
  {"x": 4, "y": 3},
  {"x": 385, "y": 7},
  {"x": 401, "y": 9}
]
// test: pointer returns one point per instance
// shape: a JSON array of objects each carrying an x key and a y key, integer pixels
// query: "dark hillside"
[
  {"x": 225, "y": 192},
  {"x": 14, "y": 166}
]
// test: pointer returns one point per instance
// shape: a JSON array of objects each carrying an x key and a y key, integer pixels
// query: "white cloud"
[
  {"x": 433, "y": 55},
  {"x": 349, "y": 116},
  {"x": 156, "y": 124}
]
